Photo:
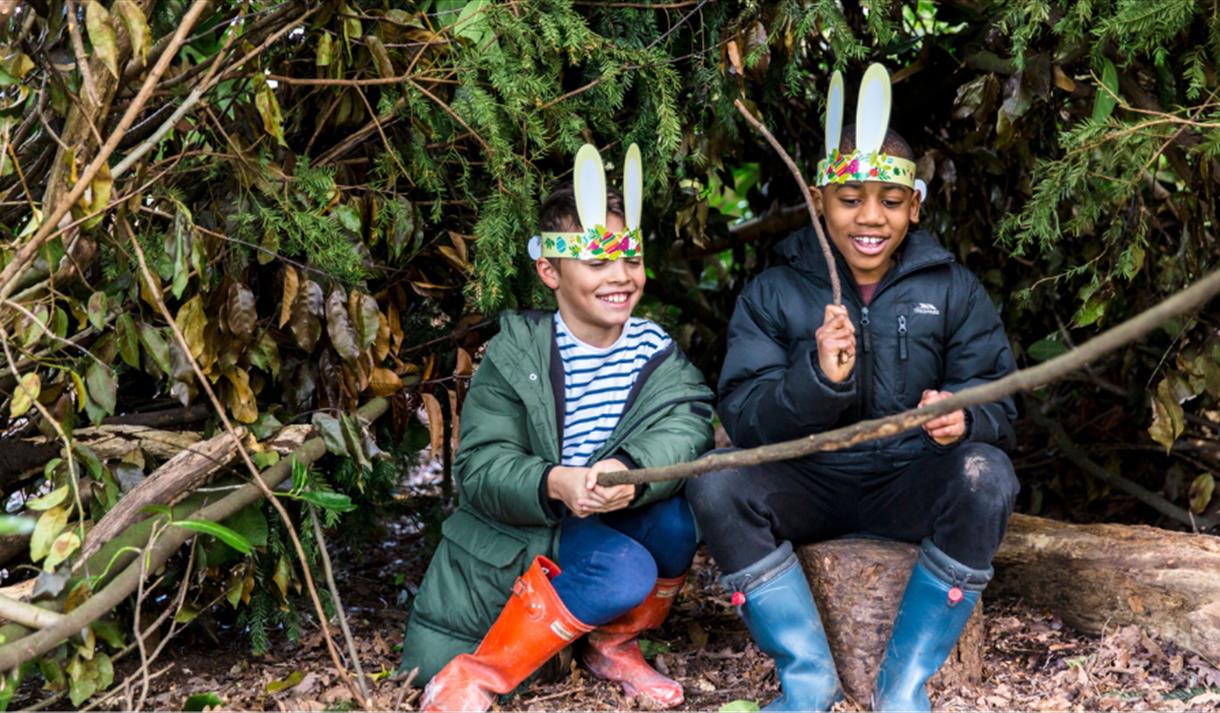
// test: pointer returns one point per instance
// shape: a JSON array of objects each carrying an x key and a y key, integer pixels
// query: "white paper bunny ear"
[
  {"x": 873, "y": 109},
  {"x": 535, "y": 247},
  {"x": 834, "y": 112},
  {"x": 633, "y": 187},
  {"x": 922, "y": 189},
  {"x": 589, "y": 183}
]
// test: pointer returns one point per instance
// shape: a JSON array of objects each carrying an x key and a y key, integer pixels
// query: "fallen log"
[
  {"x": 1099, "y": 577},
  {"x": 858, "y": 585},
  {"x": 116, "y": 440},
  {"x": 188, "y": 469},
  {"x": 179, "y": 476}
]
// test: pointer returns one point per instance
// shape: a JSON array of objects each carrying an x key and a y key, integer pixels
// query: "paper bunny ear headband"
[
  {"x": 866, "y": 162},
  {"x": 594, "y": 241}
]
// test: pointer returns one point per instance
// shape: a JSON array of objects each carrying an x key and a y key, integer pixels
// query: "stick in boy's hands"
[
  {"x": 948, "y": 429},
  {"x": 836, "y": 344},
  {"x": 572, "y": 487},
  {"x": 608, "y": 498}
]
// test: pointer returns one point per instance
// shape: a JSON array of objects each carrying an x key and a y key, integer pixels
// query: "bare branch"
[{"x": 1185, "y": 301}]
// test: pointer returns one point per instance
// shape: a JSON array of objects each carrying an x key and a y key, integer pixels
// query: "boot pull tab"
[
  {"x": 738, "y": 599},
  {"x": 955, "y": 596}
]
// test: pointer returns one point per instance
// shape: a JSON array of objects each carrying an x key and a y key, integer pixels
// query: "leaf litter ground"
[{"x": 1032, "y": 660}]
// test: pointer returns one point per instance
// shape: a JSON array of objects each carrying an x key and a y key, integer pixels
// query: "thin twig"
[
  {"x": 54, "y": 423},
  {"x": 334, "y": 593},
  {"x": 679, "y": 23},
  {"x": 449, "y": 110},
  {"x": 1081, "y": 459},
  {"x": 1185, "y": 301},
  {"x": 835, "y": 288},
  {"x": 135, "y": 627},
  {"x": 257, "y": 477},
  {"x": 82, "y": 59},
  {"x": 389, "y": 149}
]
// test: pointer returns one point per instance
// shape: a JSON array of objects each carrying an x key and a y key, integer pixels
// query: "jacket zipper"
[
  {"x": 866, "y": 367},
  {"x": 902, "y": 337}
]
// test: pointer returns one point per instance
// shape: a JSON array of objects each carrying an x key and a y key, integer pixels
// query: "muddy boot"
[
  {"x": 533, "y": 627},
  {"x": 938, "y": 601},
  {"x": 613, "y": 650},
  {"x": 773, "y": 598}
]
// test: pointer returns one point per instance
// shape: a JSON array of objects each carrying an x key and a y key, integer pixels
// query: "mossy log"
[{"x": 858, "y": 585}]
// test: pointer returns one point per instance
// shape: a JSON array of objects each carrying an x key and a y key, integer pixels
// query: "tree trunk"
[
  {"x": 858, "y": 584},
  {"x": 1105, "y": 576}
]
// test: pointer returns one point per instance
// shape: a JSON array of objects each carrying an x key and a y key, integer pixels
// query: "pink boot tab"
[
  {"x": 955, "y": 596},
  {"x": 739, "y": 599}
]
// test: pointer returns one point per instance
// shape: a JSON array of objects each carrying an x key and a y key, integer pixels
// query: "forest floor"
[{"x": 1032, "y": 660}]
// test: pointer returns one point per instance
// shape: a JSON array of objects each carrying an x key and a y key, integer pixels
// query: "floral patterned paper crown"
[
  {"x": 866, "y": 163},
  {"x": 594, "y": 241}
]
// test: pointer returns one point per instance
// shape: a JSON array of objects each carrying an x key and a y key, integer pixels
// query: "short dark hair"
[
  {"x": 893, "y": 144},
  {"x": 559, "y": 214}
]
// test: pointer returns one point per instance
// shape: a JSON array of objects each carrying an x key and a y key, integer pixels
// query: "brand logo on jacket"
[{"x": 925, "y": 308}]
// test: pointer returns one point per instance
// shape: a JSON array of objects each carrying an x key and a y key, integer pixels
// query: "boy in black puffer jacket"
[{"x": 915, "y": 326}]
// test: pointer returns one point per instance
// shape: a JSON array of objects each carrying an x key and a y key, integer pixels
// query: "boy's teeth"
[
  {"x": 615, "y": 298},
  {"x": 870, "y": 240}
]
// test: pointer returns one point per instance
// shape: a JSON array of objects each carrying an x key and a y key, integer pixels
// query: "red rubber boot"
[
  {"x": 613, "y": 651},
  {"x": 533, "y": 626}
]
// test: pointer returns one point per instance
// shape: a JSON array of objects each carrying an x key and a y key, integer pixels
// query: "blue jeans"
[{"x": 609, "y": 563}]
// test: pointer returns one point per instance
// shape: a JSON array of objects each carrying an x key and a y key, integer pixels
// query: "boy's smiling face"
[
  {"x": 867, "y": 222},
  {"x": 596, "y": 297}
]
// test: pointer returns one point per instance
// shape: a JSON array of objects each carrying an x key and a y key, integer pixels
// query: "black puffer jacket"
[{"x": 930, "y": 325}]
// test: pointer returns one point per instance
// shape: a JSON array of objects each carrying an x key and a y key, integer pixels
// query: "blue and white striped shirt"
[{"x": 597, "y": 382}]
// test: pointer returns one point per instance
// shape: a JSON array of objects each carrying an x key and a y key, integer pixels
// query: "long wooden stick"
[
  {"x": 835, "y": 288},
  {"x": 1029, "y": 379}
]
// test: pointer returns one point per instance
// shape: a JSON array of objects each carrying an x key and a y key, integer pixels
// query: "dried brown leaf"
[
  {"x": 436, "y": 423},
  {"x": 291, "y": 284},
  {"x": 307, "y": 311},
  {"x": 339, "y": 326}
]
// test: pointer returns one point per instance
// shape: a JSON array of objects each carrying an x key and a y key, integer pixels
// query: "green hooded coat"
[{"x": 510, "y": 440}]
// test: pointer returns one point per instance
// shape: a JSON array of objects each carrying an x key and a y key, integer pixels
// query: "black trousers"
[{"x": 960, "y": 498}]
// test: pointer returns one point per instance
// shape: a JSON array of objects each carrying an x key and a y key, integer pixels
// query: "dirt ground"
[{"x": 1032, "y": 661}]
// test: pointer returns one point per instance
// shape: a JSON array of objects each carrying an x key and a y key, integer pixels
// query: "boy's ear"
[
  {"x": 547, "y": 273},
  {"x": 816, "y": 194},
  {"x": 916, "y": 202}
]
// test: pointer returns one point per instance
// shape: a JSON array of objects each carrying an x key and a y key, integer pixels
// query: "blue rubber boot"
[
  {"x": 778, "y": 608},
  {"x": 938, "y": 601}
]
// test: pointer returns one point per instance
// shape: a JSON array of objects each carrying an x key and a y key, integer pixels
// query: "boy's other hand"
[
  {"x": 609, "y": 498},
  {"x": 836, "y": 344},
  {"x": 948, "y": 429},
  {"x": 570, "y": 486}
]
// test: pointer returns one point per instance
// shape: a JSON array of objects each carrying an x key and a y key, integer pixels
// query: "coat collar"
[{"x": 918, "y": 251}]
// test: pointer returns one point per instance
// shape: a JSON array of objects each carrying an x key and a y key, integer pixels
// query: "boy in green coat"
[{"x": 538, "y": 554}]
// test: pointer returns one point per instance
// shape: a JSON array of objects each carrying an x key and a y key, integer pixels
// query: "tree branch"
[
  {"x": 1081, "y": 459},
  {"x": 835, "y": 288},
  {"x": 1185, "y": 301}
]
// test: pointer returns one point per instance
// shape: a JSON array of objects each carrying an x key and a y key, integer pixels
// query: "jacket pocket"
[
  {"x": 471, "y": 575},
  {"x": 486, "y": 541}
]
